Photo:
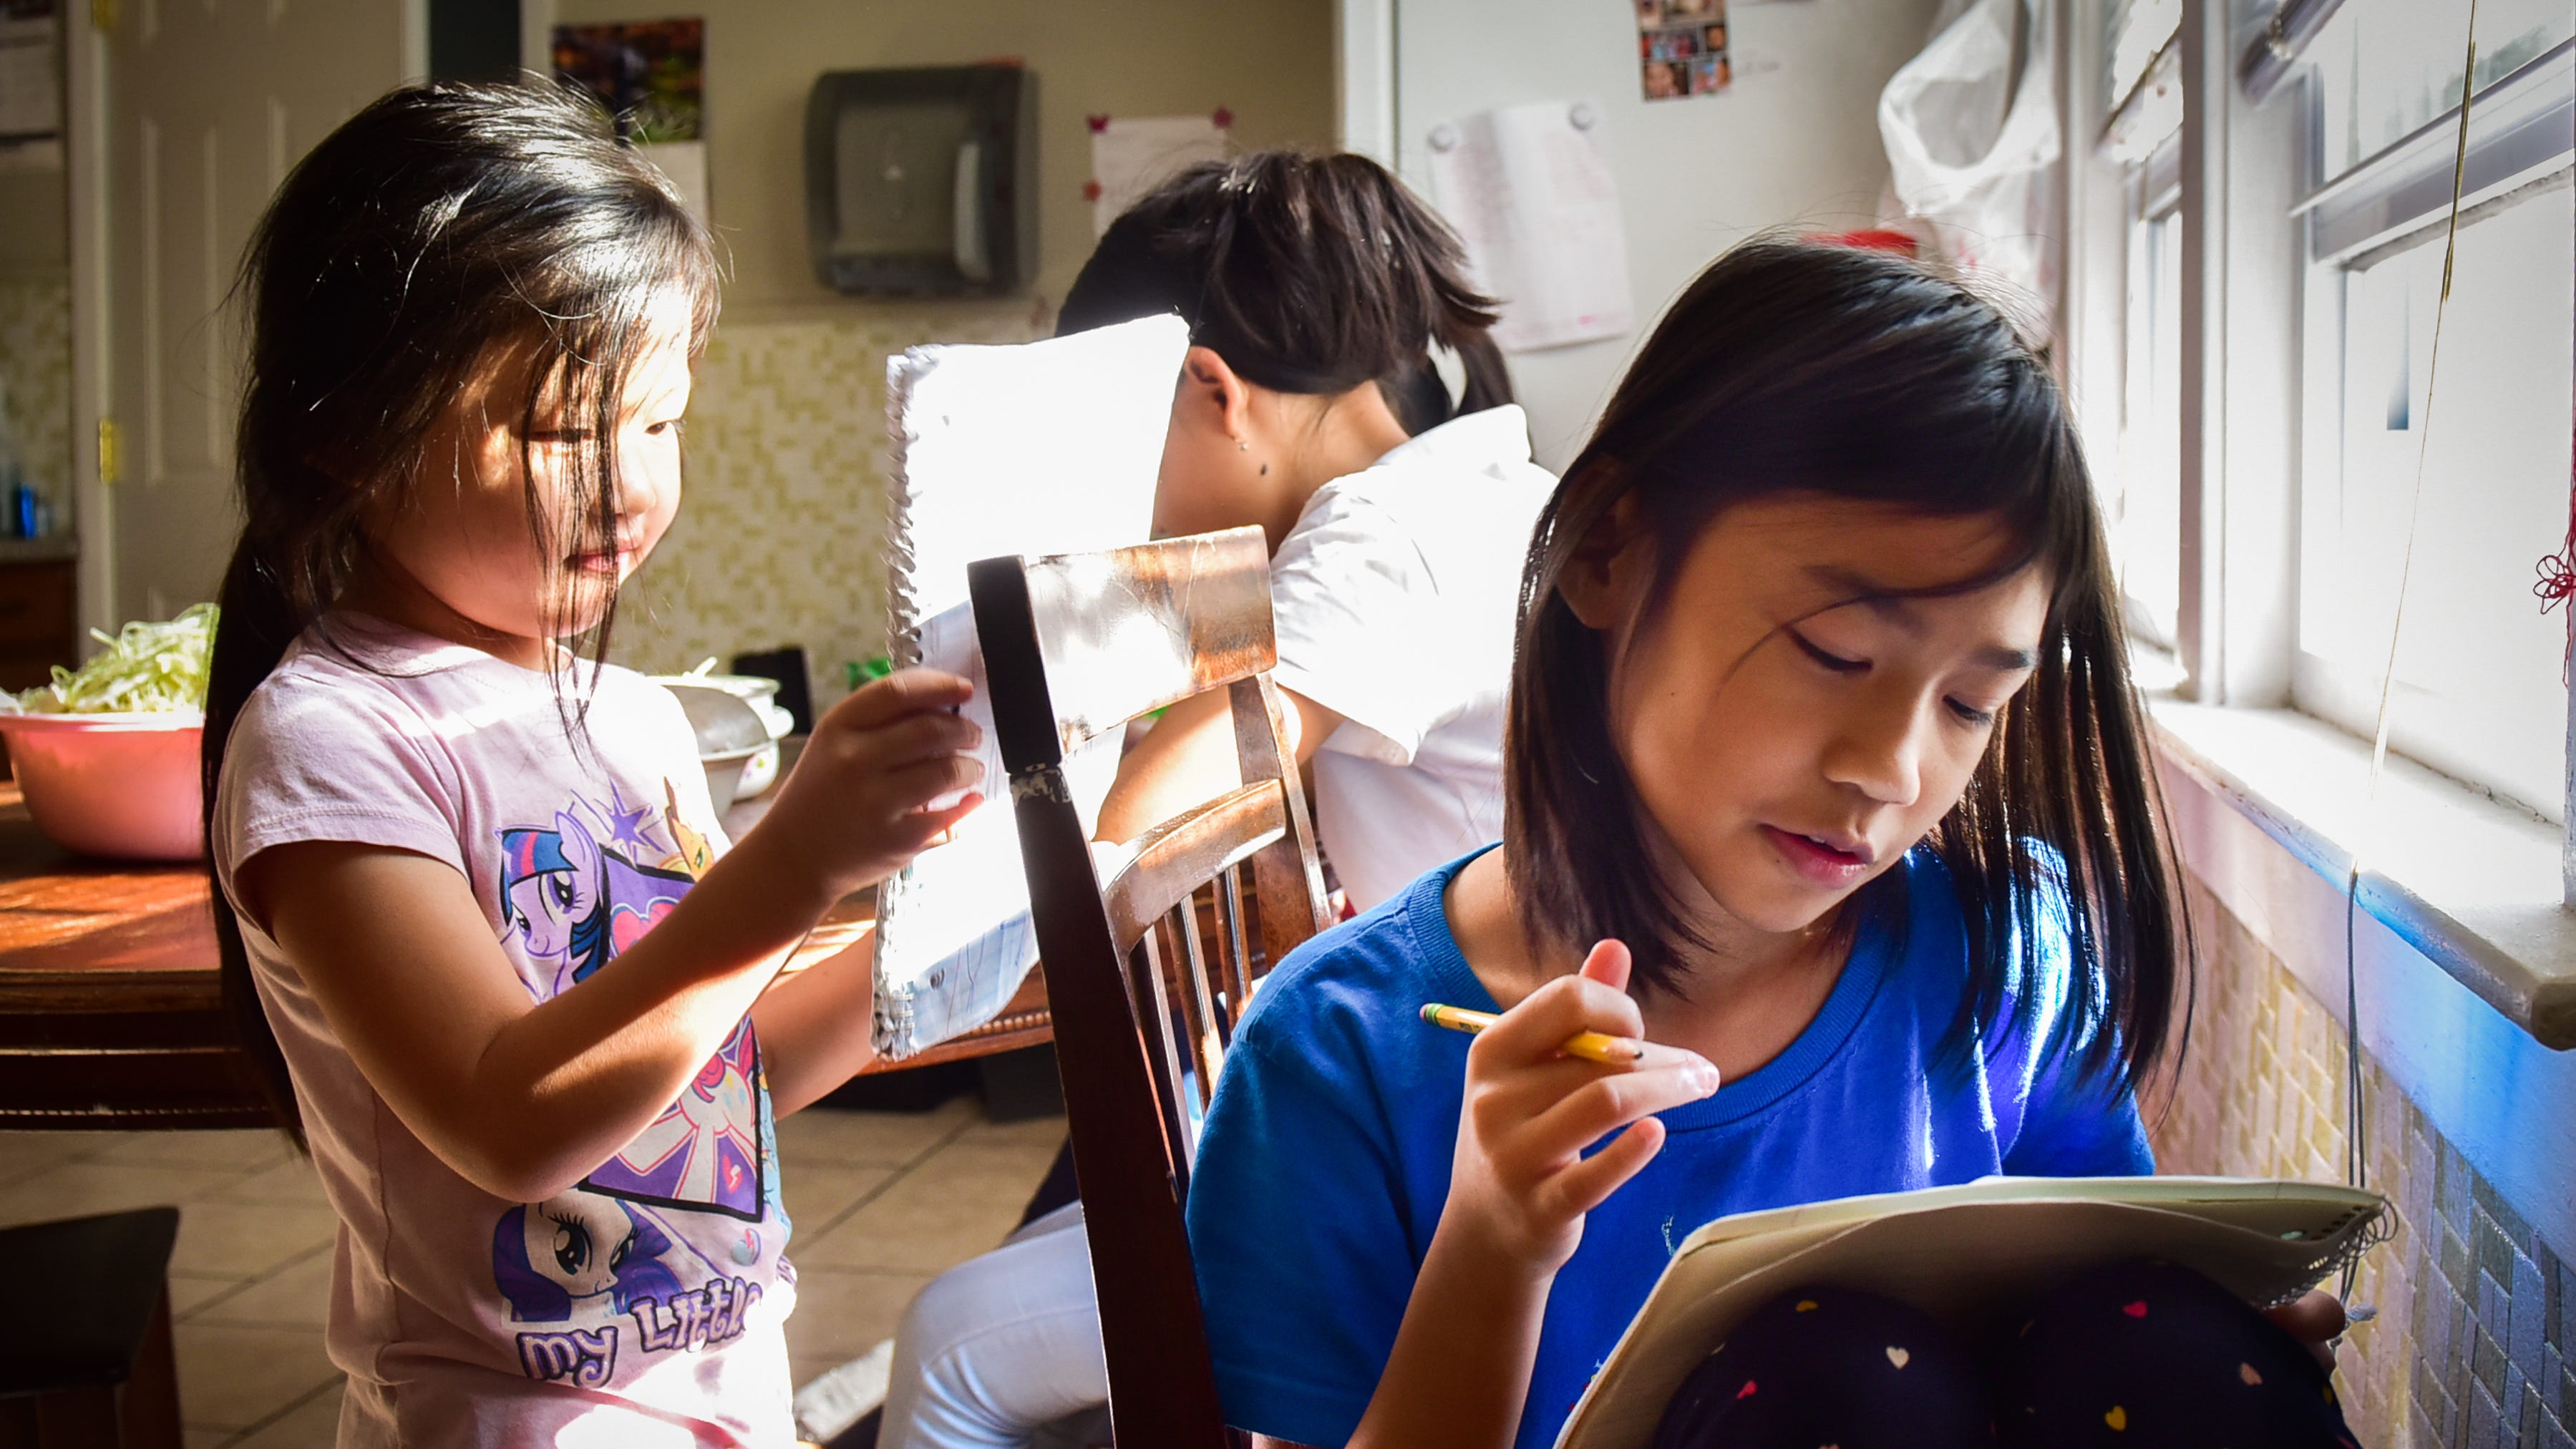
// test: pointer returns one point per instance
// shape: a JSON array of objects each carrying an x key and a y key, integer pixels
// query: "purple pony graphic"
[
  {"x": 704, "y": 1150},
  {"x": 578, "y": 1255},
  {"x": 577, "y": 903}
]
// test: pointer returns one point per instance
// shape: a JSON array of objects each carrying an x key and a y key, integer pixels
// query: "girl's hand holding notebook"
[{"x": 1521, "y": 1184}]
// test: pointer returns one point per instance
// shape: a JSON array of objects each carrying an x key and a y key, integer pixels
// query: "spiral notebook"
[
  {"x": 1043, "y": 448},
  {"x": 1962, "y": 1253}
]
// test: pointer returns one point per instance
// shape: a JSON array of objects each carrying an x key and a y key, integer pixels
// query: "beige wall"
[
  {"x": 36, "y": 328},
  {"x": 1271, "y": 63},
  {"x": 35, "y": 324},
  {"x": 34, "y": 235}
]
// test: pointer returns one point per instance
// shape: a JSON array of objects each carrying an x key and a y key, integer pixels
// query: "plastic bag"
[{"x": 1973, "y": 148}]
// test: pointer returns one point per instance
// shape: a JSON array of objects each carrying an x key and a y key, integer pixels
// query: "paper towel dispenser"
[{"x": 923, "y": 181}]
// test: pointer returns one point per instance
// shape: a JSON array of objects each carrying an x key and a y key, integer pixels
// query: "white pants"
[{"x": 1003, "y": 1350}]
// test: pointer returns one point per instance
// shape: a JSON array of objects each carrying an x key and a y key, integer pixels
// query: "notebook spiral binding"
[
  {"x": 894, "y": 1025},
  {"x": 903, "y": 621},
  {"x": 2343, "y": 1251}
]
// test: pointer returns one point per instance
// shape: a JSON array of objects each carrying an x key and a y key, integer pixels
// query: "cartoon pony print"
[
  {"x": 578, "y": 1255},
  {"x": 577, "y": 899},
  {"x": 575, "y": 902},
  {"x": 704, "y": 1150}
]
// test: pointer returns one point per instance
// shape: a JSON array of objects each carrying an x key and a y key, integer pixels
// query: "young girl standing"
[
  {"x": 524, "y": 1001},
  {"x": 1824, "y": 779}
]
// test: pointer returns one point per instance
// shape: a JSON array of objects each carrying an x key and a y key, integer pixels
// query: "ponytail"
[
  {"x": 1307, "y": 274},
  {"x": 256, "y": 621}
]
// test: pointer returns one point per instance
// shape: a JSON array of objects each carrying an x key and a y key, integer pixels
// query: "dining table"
[{"x": 112, "y": 1013}]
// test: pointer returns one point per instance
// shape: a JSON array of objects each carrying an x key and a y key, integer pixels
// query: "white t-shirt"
[
  {"x": 643, "y": 1307},
  {"x": 1395, "y": 598}
]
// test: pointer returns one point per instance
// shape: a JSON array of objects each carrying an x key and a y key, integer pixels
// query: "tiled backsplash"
[
  {"x": 2475, "y": 1313},
  {"x": 781, "y": 534},
  {"x": 36, "y": 368}
]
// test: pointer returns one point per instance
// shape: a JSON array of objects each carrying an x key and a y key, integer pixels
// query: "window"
[
  {"x": 2136, "y": 32},
  {"x": 2145, "y": 511},
  {"x": 2385, "y": 69},
  {"x": 2142, "y": 503},
  {"x": 2322, "y": 251},
  {"x": 2478, "y": 691}
]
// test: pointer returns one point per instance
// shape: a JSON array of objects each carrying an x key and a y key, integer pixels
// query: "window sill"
[{"x": 2472, "y": 885}]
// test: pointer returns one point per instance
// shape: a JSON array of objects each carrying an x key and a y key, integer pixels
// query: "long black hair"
[
  {"x": 450, "y": 245},
  {"x": 1307, "y": 274},
  {"x": 1787, "y": 367}
]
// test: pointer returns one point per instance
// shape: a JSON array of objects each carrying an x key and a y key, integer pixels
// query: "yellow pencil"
[{"x": 1592, "y": 1046}]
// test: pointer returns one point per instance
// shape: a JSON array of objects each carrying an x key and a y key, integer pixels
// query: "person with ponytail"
[
  {"x": 1342, "y": 393},
  {"x": 481, "y": 928},
  {"x": 1319, "y": 293}
]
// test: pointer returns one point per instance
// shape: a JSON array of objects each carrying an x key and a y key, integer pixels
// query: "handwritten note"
[
  {"x": 1131, "y": 155},
  {"x": 1530, "y": 193}
]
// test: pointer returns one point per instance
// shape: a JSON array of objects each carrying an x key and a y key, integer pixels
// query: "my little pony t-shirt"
[{"x": 643, "y": 1306}]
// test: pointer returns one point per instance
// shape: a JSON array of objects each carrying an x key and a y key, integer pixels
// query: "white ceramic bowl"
[
  {"x": 758, "y": 773},
  {"x": 117, "y": 785},
  {"x": 761, "y": 693}
]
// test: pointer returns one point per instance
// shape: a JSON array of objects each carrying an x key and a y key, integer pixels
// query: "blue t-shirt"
[{"x": 1325, "y": 1161}]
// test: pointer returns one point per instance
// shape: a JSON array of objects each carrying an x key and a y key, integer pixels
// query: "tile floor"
[{"x": 882, "y": 1202}]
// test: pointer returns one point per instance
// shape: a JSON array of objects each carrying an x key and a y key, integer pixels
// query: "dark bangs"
[{"x": 1790, "y": 367}]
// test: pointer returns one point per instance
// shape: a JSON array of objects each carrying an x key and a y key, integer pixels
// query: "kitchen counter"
[
  {"x": 54, "y": 548},
  {"x": 111, "y": 1015}
]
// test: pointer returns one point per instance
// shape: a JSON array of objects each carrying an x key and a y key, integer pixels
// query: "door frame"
[
  {"x": 1364, "y": 106},
  {"x": 85, "y": 129},
  {"x": 88, "y": 93}
]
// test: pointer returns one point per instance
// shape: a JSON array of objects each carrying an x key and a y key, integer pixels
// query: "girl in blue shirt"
[{"x": 1825, "y": 780}]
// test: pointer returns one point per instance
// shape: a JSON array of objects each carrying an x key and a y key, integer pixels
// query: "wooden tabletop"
[
  {"x": 111, "y": 1014},
  {"x": 69, "y": 923}
]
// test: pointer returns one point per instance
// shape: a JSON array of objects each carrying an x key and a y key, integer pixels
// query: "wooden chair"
[
  {"x": 85, "y": 1360},
  {"x": 1148, "y": 971}
]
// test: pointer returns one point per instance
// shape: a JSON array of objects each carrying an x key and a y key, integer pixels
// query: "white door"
[{"x": 207, "y": 103}]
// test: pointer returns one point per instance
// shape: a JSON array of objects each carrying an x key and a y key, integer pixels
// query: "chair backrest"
[{"x": 1148, "y": 971}]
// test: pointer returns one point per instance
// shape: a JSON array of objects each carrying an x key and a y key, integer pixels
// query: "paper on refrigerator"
[
  {"x": 1044, "y": 448},
  {"x": 1131, "y": 155},
  {"x": 1530, "y": 193}
]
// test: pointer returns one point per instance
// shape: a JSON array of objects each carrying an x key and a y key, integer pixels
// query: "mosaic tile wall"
[
  {"x": 781, "y": 534},
  {"x": 36, "y": 371},
  {"x": 2476, "y": 1315}
]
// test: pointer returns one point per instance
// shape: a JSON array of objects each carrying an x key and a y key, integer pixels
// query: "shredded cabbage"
[{"x": 146, "y": 667}]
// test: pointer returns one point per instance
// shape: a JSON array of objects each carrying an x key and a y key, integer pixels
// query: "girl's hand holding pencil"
[
  {"x": 1556, "y": 1073},
  {"x": 1592, "y": 1046}
]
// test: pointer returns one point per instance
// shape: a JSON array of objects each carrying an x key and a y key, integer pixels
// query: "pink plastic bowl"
[{"x": 119, "y": 785}]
